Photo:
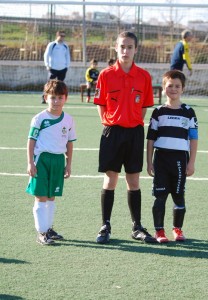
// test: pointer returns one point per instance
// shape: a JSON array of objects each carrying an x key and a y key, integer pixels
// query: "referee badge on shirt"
[
  {"x": 137, "y": 98},
  {"x": 97, "y": 93}
]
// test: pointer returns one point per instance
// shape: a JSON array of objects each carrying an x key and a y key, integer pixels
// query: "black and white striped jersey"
[{"x": 173, "y": 128}]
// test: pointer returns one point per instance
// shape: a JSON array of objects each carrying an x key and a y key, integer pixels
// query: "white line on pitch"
[
  {"x": 33, "y": 106},
  {"x": 98, "y": 176},
  {"x": 76, "y": 149}
]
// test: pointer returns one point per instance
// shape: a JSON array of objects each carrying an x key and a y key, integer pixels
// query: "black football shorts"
[
  {"x": 121, "y": 146},
  {"x": 170, "y": 172}
]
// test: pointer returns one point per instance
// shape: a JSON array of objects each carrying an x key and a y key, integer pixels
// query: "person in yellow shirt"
[
  {"x": 181, "y": 53},
  {"x": 91, "y": 77}
]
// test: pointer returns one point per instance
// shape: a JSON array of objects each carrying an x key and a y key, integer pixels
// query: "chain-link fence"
[{"x": 26, "y": 27}]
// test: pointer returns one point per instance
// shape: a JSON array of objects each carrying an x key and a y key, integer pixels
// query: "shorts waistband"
[{"x": 170, "y": 150}]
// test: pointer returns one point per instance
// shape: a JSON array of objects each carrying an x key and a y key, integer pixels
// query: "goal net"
[{"x": 91, "y": 30}]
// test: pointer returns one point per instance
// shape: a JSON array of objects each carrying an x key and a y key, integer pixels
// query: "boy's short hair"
[
  {"x": 185, "y": 33},
  {"x": 128, "y": 34},
  {"x": 94, "y": 61},
  {"x": 174, "y": 74},
  {"x": 55, "y": 87},
  {"x": 111, "y": 61}
]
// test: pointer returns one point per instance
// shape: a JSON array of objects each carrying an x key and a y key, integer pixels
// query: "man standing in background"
[
  {"x": 57, "y": 58},
  {"x": 181, "y": 53}
]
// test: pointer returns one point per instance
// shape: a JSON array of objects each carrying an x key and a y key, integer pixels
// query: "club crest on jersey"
[
  {"x": 64, "y": 130},
  {"x": 137, "y": 99},
  {"x": 184, "y": 122},
  {"x": 97, "y": 93}
]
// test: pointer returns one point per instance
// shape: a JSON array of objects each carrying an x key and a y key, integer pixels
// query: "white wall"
[{"x": 29, "y": 73}]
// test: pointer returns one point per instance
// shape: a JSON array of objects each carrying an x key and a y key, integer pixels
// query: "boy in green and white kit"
[{"x": 49, "y": 155}]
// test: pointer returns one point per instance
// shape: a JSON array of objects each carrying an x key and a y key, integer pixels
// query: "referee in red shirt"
[{"x": 123, "y": 93}]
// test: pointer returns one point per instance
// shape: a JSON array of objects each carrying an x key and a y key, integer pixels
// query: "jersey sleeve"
[
  {"x": 186, "y": 55},
  {"x": 68, "y": 56},
  {"x": 100, "y": 93},
  {"x": 193, "y": 129},
  {"x": 34, "y": 129},
  {"x": 153, "y": 126},
  {"x": 96, "y": 75},
  {"x": 47, "y": 54},
  {"x": 148, "y": 100},
  {"x": 72, "y": 133},
  {"x": 87, "y": 76}
]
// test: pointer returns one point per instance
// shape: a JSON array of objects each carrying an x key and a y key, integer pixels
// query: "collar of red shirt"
[{"x": 120, "y": 72}]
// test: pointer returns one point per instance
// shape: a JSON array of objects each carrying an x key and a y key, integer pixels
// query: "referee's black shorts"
[{"x": 121, "y": 146}]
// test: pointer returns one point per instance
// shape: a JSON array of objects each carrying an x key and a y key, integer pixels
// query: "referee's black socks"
[
  {"x": 134, "y": 202},
  {"x": 107, "y": 200}
]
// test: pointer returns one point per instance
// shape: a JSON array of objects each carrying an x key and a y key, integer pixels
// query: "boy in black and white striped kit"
[{"x": 171, "y": 152}]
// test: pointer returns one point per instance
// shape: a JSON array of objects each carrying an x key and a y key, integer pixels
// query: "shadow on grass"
[
  {"x": 11, "y": 261},
  {"x": 9, "y": 297},
  {"x": 191, "y": 248}
]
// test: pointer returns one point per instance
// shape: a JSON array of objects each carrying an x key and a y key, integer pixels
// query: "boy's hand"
[
  {"x": 190, "y": 169},
  {"x": 67, "y": 171},
  {"x": 31, "y": 169},
  {"x": 150, "y": 170}
]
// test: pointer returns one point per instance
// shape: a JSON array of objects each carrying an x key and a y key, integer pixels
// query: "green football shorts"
[{"x": 49, "y": 179}]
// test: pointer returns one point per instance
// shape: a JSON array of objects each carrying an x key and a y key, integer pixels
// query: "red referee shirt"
[{"x": 124, "y": 95}]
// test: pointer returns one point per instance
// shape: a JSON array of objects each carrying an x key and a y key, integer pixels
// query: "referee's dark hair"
[
  {"x": 128, "y": 34},
  {"x": 174, "y": 74}
]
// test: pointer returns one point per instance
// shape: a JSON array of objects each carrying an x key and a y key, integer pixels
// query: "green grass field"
[{"x": 78, "y": 268}]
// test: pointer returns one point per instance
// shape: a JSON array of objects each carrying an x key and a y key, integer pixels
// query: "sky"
[{"x": 148, "y": 14}]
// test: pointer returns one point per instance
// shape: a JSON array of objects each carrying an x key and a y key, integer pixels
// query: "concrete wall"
[{"x": 31, "y": 75}]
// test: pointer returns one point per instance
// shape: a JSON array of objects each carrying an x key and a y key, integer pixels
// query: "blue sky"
[{"x": 126, "y": 13}]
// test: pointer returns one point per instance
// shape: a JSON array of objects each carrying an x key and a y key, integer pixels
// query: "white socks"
[
  {"x": 40, "y": 216},
  {"x": 43, "y": 213},
  {"x": 51, "y": 211}
]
